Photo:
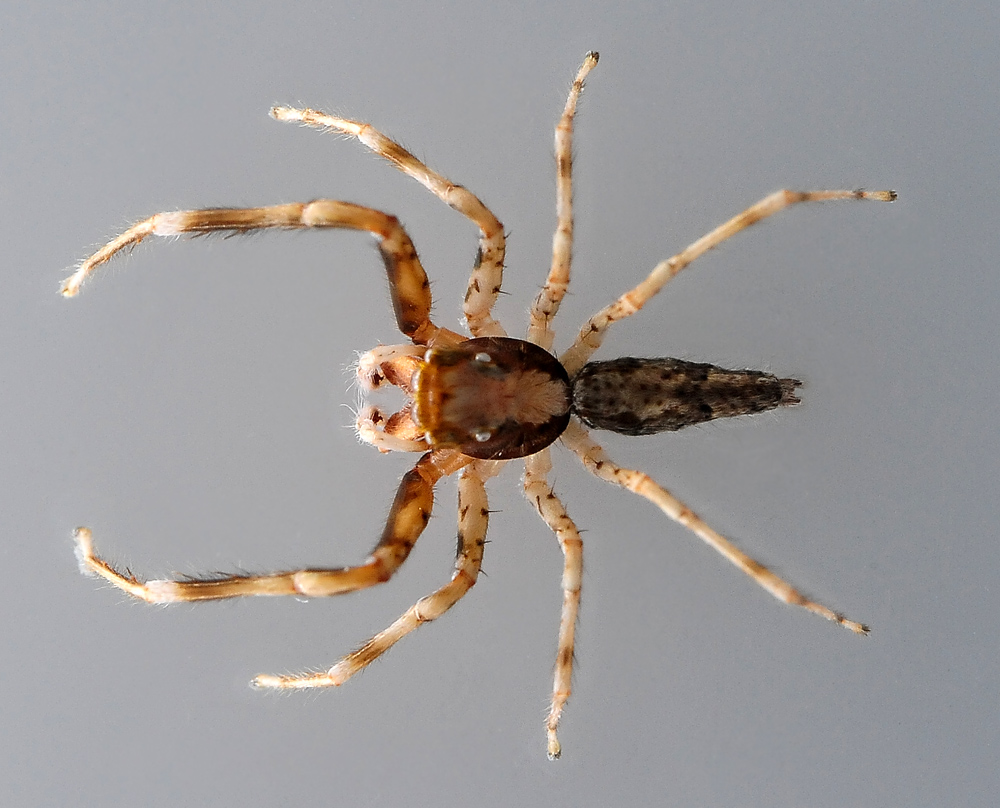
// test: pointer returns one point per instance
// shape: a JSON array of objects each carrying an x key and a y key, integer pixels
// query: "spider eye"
[
  {"x": 483, "y": 435},
  {"x": 483, "y": 357}
]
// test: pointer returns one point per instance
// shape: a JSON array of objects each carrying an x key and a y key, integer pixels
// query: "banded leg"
[
  {"x": 599, "y": 464},
  {"x": 487, "y": 274},
  {"x": 473, "y": 515},
  {"x": 407, "y": 519},
  {"x": 553, "y": 512},
  {"x": 592, "y": 334},
  {"x": 544, "y": 309},
  {"x": 408, "y": 284}
]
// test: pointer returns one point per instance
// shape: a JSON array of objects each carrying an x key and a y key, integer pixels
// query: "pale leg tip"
[
  {"x": 84, "y": 549},
  {"x": 878, "y": 196},
  {"x": 265, "y": 680},
  {"x": 851, "y": 625},
  {"x": 554, "y": 750},
  {"x": 71, "y": 286},
  {"x": 285, "y": 114},
  {"x": 82, "y": 534}
]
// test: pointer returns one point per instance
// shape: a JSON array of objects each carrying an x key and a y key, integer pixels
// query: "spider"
[{"x": 473, "y": 404}]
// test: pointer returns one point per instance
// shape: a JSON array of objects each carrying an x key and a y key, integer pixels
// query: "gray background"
[{"x": 189, "y": 406}]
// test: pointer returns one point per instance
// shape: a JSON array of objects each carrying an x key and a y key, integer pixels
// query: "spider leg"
[
  {"x": 487, "y": 274},
  {"x": 544, "y": 309},
  {"x": 409, "y": 287},
  {"x": 592, "y": 334},
  {"x": 599, "y": 464},
  {"x": 473, "y": 516},
  {"x": 408, "y": 517},
  {"x": 553, "y": 512}
]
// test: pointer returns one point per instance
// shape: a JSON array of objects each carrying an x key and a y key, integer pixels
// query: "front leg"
[
  {"x": 408, "y": 283},
  {"x": 407, "y": 519}
]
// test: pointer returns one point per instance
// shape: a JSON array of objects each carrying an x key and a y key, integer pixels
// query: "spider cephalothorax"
[
  {"x": 492, "y": 398},
  {"x": 476, "y": 403}
]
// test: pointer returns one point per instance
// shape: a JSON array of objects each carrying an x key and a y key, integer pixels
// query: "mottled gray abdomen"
[{"x": 645, "y": 396}]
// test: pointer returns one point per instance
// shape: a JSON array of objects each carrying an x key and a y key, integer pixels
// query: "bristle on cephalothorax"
[{"x": 645, "y": 396}]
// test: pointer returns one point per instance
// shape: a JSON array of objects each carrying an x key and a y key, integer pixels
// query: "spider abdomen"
[{"x": 645, "y": 396}]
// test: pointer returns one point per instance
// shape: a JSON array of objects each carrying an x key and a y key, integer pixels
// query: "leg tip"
[
  {"x": 84, "y": 550},
  {"x": 878, "y": 196},
  {"x": 857, "y": 628},
  {"x": 82, "y": 534},
  {"x": 268, "y": 681},
  {"x": 70, "y": 287}
]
